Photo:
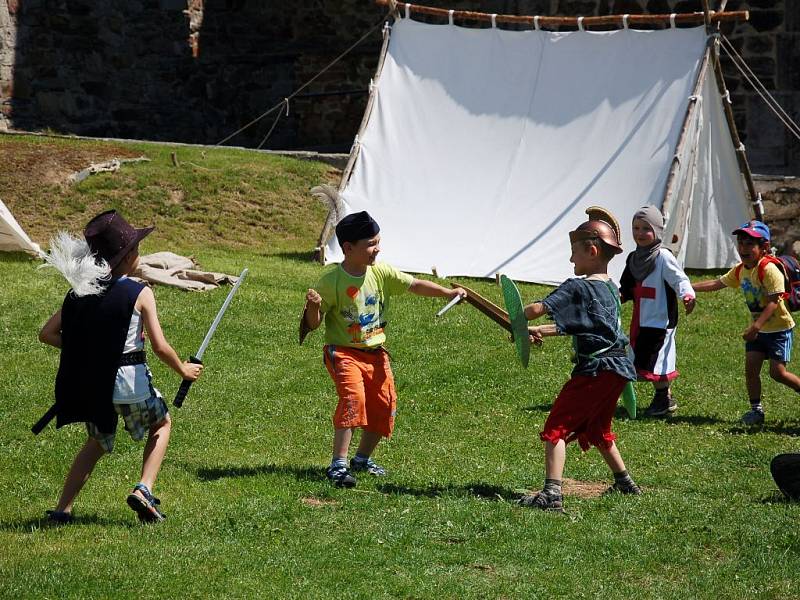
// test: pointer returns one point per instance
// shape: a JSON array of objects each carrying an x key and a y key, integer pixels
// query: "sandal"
[{"x": 146, "y": 505}]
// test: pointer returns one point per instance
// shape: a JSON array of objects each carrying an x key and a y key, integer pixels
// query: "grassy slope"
[{"x": 250, "y": 514}]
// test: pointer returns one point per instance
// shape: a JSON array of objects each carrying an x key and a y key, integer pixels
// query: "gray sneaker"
[
  {"x": 754, "y": 416},
  {"x": 369, "y": 466},
  {"x": 542, "y": 501},
  {"x": 629, "y": 489}
]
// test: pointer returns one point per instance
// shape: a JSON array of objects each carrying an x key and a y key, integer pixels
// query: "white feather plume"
[{"x": 73, "y": 258}]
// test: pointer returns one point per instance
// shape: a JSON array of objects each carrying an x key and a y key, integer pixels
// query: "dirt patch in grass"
[
  {"x": 31, "y": 163},
  {"x": 317, "y": 502},
  {"x": 583, "y": 489}
]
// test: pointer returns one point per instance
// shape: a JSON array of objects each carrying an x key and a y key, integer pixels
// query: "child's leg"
[
  {"x": 752, "y": 373},
  {"x": 79, "y": 473},
  {"x": 777, "y": 370},
  {"x": 752, "y": 370},
  {"x": 555, "y": 455},
  {"x": 341, "y": 442},
  {"x": 623, "y": 482},
  {"x": 154, "y": 450},
  {"x": 612, "y": 457},
  {"x": 368, "y": 442},
  {"x": 550, "y": 498}
]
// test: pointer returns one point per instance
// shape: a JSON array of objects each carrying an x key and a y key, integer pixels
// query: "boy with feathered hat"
[{"x": 102, "y": 372}]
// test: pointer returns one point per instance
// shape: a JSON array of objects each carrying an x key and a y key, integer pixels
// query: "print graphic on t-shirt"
[{"x": 363, "y": 326}]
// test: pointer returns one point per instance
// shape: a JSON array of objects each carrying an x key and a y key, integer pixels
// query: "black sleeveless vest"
[{"x": 93, "y": 332}]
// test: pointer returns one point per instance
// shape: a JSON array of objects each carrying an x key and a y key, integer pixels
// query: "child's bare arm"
[
  {"x": 712, "y": 285},
  {"x": 313, "y": 302},
  {"x": 51, "y": 331},
  {"x": 534, "y": 311},
  {"x": 146, "y": 303},
  {"x": 431, "y": 289},
  {"x": 751, "y": 332}
]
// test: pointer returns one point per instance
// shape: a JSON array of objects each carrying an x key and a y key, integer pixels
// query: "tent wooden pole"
[
  {"x": 706, "y": 16},
  {"x": 327, "y": 230},
  {"x": 588, "y": 22},
  {"x": 675, "y": 166},
  {"x": 741, "y": 157}
]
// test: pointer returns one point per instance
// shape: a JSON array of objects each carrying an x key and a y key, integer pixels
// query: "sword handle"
[{"x": 185, "y": 385}]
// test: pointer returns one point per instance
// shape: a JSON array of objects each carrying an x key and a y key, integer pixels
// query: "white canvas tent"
[
  {"x": 12, "y": 237},
  {"x": 483, "y": 147}
]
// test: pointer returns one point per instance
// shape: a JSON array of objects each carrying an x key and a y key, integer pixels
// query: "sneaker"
[
  {"x": 340, "y": 477},
  {"x": 57, "y": 517},
  {"x": 661, "y": 406},
  {"x": 629, "y": 489},
  {"x": 369, "y": 465},
  {"x": 146, "y": 505},
  {"x": 542, "y": 501},
  {"x": 754, "y": 416}
]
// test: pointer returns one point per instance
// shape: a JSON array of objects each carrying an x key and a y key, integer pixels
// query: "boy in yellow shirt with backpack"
[{"x": 761, "y": 278}]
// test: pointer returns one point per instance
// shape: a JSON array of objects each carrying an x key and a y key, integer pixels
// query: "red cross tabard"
[{"x": 639, "y": 292}]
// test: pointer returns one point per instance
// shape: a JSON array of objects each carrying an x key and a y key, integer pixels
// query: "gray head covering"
[{"x": 642, "y": 261}]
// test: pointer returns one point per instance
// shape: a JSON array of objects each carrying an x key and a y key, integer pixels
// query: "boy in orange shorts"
[{"x": 354, "y": 297}]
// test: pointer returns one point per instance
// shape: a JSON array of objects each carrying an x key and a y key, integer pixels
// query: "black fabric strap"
[{"x": 133, "y": 358}]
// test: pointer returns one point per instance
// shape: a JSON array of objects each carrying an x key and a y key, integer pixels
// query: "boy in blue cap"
[{"x": 769, "y": 335}]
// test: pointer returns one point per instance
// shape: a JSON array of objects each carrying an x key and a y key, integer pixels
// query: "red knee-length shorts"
[{"x": 583, "y": 410}]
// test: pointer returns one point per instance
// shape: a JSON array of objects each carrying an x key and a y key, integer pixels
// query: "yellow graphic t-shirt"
[
  {"x": 756, "y": 294},
  {"x": 356, "y": 308}
]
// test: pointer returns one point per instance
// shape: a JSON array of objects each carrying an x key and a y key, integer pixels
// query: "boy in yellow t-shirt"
[
  {"x": 769, "y": 335},
  {"x": 354, "y": 298}
]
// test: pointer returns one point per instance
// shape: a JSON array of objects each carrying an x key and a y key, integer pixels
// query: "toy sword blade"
[
  {"x": 197, "y": 358},
  {"x": 449, "y": 305}
]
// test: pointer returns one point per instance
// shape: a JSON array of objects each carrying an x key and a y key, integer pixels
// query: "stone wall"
[{"x": 198, "y": 70}]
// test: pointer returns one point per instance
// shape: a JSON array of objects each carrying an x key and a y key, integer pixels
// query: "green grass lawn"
[{"x": 250, "y": 513}]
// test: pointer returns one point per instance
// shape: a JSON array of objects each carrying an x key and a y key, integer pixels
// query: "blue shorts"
[
  {"x": 138, "y": 418},
  {"x": 776, "y": 345}
]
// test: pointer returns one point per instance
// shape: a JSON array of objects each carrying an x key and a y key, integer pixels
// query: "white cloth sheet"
[{"x": 485, "y": 146}]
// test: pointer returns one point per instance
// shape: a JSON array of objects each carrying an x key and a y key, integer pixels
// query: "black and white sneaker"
[
  {"x": 369, "y": 466},
  {"x": 340, "y": 477}
]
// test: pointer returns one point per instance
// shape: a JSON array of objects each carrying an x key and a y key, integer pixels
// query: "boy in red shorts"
[
  {"x": 354, "y": 297},
  {"x": 586, "y": 308}
]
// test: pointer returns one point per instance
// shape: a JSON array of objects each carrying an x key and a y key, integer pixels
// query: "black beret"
[{"x": 356, "y": 226}]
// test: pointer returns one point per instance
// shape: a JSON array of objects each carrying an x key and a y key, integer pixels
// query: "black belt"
[{"x": 133, "y": 358}]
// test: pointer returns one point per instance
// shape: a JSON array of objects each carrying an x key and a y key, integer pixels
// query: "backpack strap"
[{"x": 762, "y": 266}]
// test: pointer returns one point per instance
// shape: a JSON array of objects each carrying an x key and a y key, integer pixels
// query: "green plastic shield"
[{"x": 519, "y": 324}]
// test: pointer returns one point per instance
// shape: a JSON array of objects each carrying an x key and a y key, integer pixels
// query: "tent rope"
[
  {"x": 285, "y": 101},
  {"x": 759, "y": 87}
]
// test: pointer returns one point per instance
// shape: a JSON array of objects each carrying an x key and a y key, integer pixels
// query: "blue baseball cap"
[{"x": 755, "y": 229}]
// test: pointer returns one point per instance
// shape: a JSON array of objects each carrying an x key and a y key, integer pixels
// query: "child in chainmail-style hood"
[{"x": 654, "y": 280}]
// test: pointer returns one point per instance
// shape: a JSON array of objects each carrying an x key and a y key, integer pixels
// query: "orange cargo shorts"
[{"x": 365, "y": 386}]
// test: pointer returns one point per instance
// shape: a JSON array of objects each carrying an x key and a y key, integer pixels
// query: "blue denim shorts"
[
  {"x": 138, "y": 418},
  {"x": 776, "y": 345}
]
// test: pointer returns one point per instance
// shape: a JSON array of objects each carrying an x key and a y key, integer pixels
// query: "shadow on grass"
[
  {"x": 299, "y": 473},
  {"x": 777, "y": 497},
  {"x": 16, "y": 257},
  {"x": 35, "y": 524},
  {"x": 538, "y": 408},
  {"x": 482, "y": 491},
  {"x": 693, "y": 420},
  {"x": 301, "y": 257},
  {"x": 779, "y": 427}
]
